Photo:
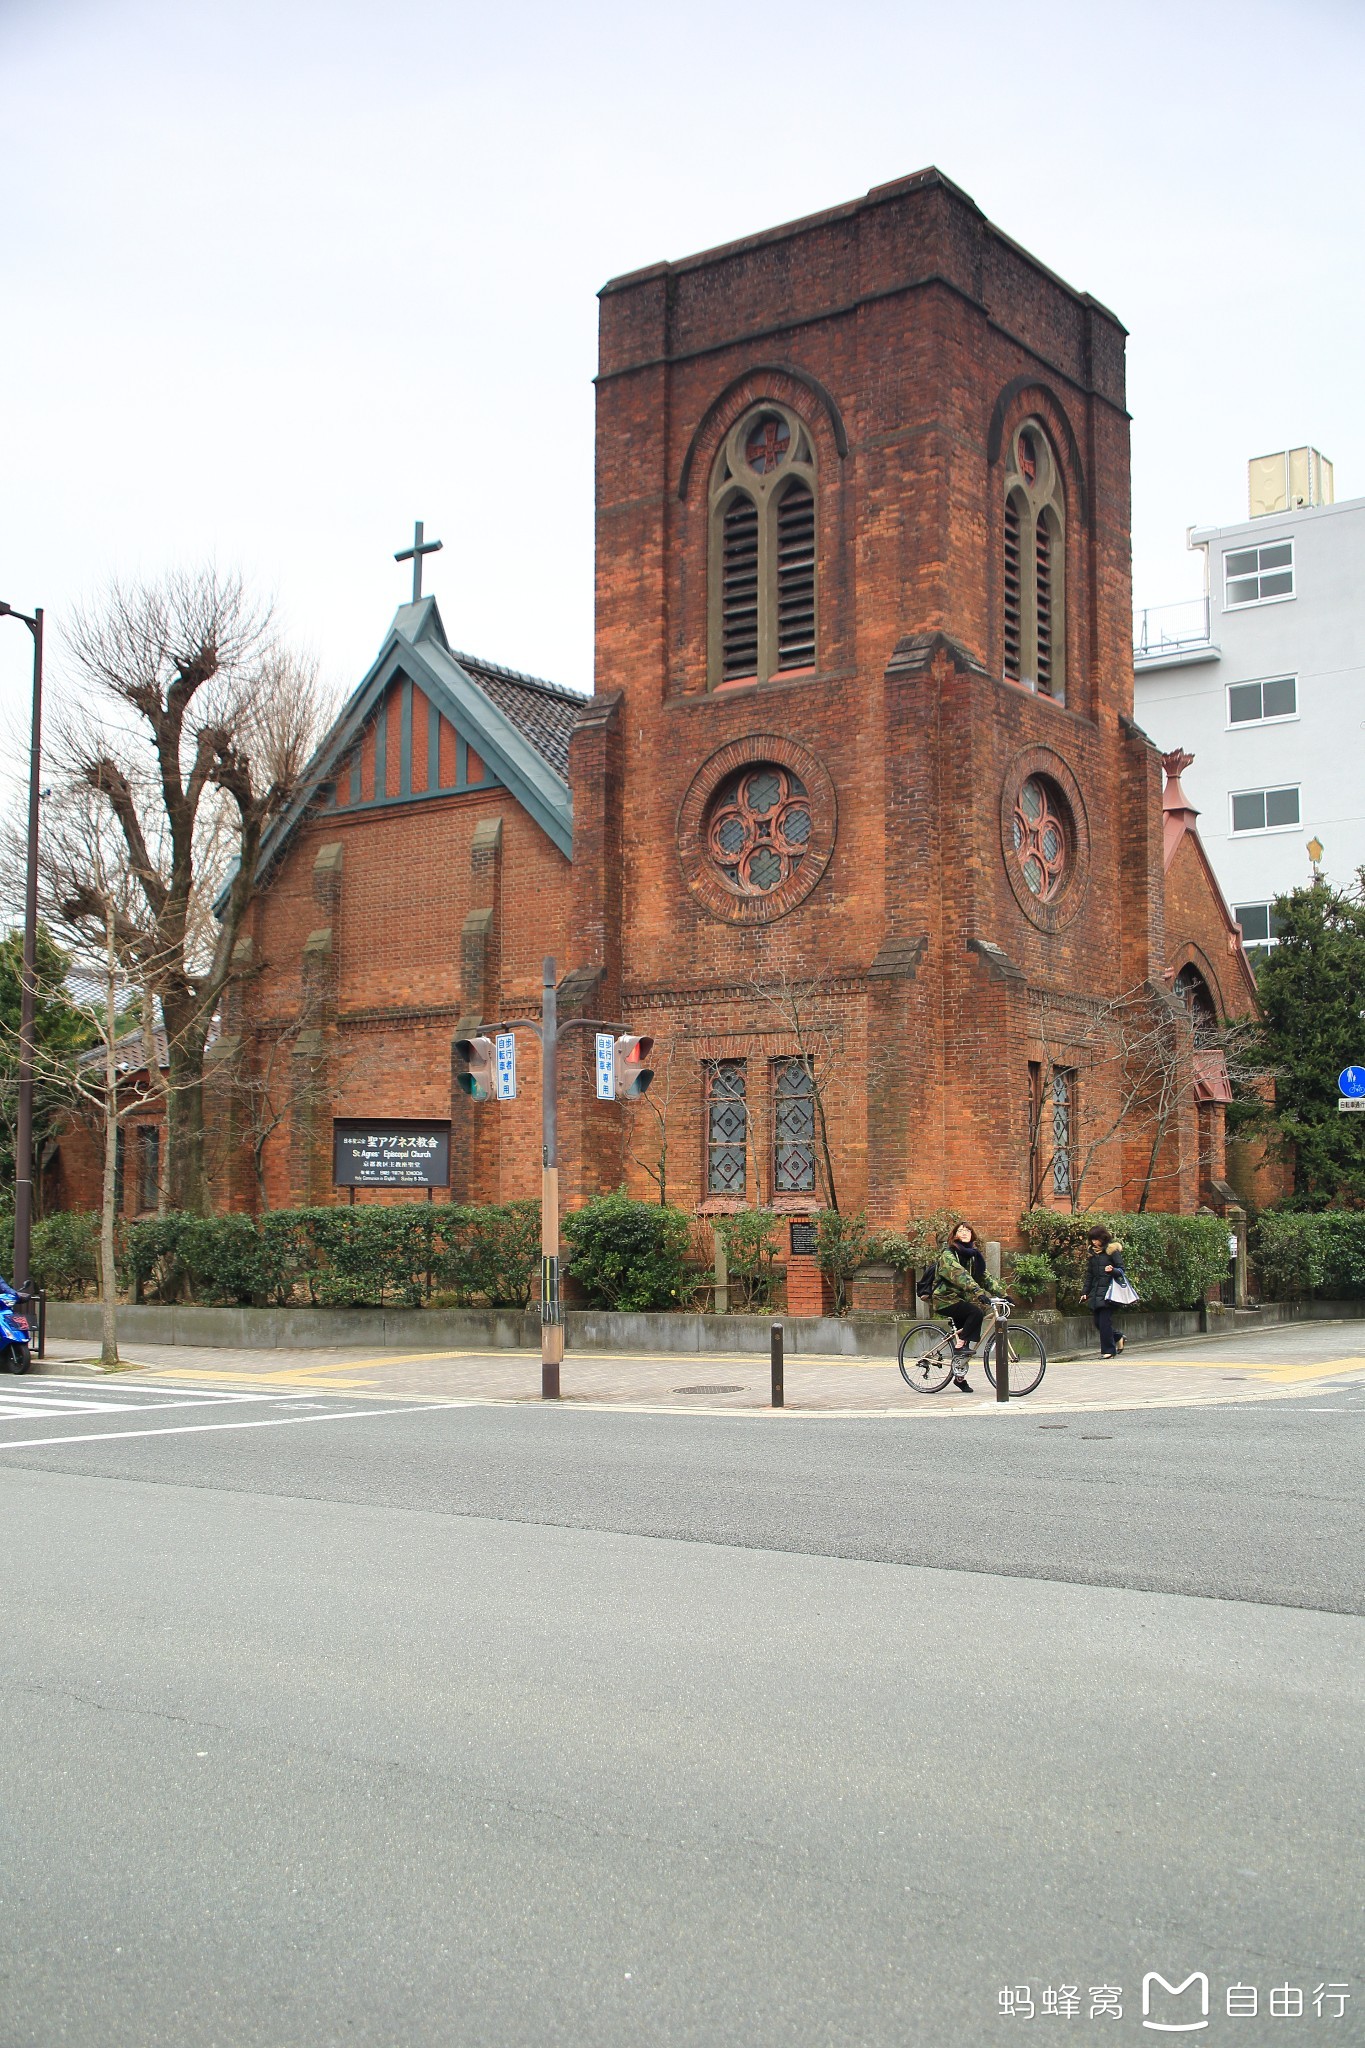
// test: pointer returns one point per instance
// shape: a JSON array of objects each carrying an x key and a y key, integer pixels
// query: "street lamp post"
[{"x": 28, "y": 986}]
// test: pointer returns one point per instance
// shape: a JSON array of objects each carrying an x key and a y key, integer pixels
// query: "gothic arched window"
[
  {"x": 1034, "y": 565},
  {"x": 1195, "y": 994},
  {"x": 762, "y": 580}
]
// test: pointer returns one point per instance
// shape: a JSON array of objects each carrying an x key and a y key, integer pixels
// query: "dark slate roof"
[{"x": 543, "y": 713}]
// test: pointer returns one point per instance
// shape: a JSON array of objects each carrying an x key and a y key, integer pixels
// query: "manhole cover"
[{"x": 708, "y": 1390}]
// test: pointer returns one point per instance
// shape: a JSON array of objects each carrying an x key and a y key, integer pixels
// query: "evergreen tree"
[
  {"x": 61, "y": 1032},
  {"x": 1312, "y": 990}
]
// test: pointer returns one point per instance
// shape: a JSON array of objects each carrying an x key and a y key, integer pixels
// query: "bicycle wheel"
[
  {"x": 926, "y": 1357},
  {"x": 1028, "y": 1359}
]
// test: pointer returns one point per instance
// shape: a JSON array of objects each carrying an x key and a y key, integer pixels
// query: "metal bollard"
[
  {"x": 779, "y": 1392},
  {"x": 1002, "y": 1361}
]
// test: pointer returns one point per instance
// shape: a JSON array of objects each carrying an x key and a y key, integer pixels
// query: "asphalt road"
[{"x": 359, "y": 1722}]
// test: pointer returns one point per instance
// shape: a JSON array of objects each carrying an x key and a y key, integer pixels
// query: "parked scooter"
[{"x": 15, "y": 1341}]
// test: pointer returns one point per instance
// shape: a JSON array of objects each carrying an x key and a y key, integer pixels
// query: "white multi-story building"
[{"x": 1263, "y": 681}]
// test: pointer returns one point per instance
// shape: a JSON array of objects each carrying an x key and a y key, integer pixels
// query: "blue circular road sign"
[{"x": 1351, "y": 1080}]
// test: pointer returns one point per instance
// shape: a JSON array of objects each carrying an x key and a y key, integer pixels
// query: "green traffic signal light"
[{"x": 475, "y": 1078}]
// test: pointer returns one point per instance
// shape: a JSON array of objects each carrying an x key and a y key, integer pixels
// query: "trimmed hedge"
[
  {"x": 1171, "y": 1260},
  {"x": 64, "y": 1252},
  {"x": 1299, "y": 1256},
  {"x": 366, "y": 1256}
]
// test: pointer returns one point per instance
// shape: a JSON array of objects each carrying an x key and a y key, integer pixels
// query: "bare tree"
[
  {"x": 100, "y": 1085},
  {"x": 640, "y": 1129},
  {"x": 1132, "y": 1051},
  {"x": 255, "y": 1080},
  {"x": 806, "y": 1008},
  {"x": 189, "y": 672}
]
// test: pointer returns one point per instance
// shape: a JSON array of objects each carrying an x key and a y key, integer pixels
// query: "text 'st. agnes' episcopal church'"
[{"x": 858, "y": 791}]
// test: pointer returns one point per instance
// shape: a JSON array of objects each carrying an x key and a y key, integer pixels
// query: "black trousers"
[
  {"x": 1103, "y": 1313},
  {"x": 966, "y": 1320}
]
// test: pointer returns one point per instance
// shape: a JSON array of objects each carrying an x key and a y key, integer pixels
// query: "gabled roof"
[
  {"x": 517, "y": 724},
  {"x": 1178, "y": 827}
]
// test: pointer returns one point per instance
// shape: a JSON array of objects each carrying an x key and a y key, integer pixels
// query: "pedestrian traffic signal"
[
  {"x": 632, "y": 1076},
  {"x": 475, "y": 1073}
]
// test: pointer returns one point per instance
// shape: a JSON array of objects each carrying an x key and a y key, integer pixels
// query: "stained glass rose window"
[
  {"x": 1042, "y": 837},
  {"x": 759, "y": 828}
]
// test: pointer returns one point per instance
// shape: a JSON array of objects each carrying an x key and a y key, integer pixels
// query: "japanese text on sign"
[{"x": 390, "y": 1153}]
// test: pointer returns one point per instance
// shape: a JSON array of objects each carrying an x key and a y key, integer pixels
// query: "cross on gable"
[{"x": 414, "y": 555}]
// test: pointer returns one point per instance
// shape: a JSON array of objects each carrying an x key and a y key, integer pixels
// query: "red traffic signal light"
[
  {"x": 475, "y": 1075},
  {"x": 632, "y": 1075}
]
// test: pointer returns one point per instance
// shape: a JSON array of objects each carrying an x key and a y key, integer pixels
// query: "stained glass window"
[
  {"x": 794, "y": 1129},
  {"x": 727, "y": 1124},
  {"x": 1041, "y": 837},
  {"x": 759, "y": 828},
  {"x": 1062, "y": 1108}
]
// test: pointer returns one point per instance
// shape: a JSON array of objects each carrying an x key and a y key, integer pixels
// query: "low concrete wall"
[{"x": 471, "y": 1329}]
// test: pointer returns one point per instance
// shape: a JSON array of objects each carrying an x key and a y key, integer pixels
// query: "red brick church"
[{"x": 856, "y": 824}]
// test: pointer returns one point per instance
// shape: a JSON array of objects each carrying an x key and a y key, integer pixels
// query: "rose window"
[
  {"x": 759, "y": 829},
  {"x": 1041, "y": 837}
]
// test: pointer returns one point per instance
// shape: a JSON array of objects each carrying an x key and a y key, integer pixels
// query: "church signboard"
[{"x": 390, "y": 1152}]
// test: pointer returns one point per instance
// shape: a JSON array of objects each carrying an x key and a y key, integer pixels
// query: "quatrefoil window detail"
[{"x": 759, "y": 829}]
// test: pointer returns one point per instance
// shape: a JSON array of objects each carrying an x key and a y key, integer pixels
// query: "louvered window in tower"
[
  {"x": 1033, "y": 565},
  {"x": 1043, "y": 565},
  {"x": 1013, "y": 589},
  {"x": 762, "y": 601},
  {"x": 739, "y": 589},
  {"x": 796, "y": 578}
]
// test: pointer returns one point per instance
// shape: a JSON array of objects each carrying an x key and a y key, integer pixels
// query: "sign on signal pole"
[
  {"x": 505, "y": 1065},
  {"x": 606, "y": 1067}
]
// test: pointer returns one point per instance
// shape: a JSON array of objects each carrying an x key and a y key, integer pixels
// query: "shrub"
[
  {"x": 146, "y": 1254},
  {"x": 841, "y": 1247},
  {"x": 1030, "y": 1277},
  {"x": 491, "y": 1250},
  {"x": 220, "y": 1257},
  {"x": 753, "y": 1246},
  {"x": 373, "y": 1253},
  {"x": 890, "y": 1248},
  {"x": 629, "y": 1255},
  {"x": 64, "y": 1252},
  {"x": 1171, "y": 1260},
  {"x": 1299, "y": 1256}
]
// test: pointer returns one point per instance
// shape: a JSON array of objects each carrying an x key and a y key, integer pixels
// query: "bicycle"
[{"x": 928, "y": 1358}]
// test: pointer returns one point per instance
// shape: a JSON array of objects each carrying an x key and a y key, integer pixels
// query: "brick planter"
[{"x": 809, "y": 1292}]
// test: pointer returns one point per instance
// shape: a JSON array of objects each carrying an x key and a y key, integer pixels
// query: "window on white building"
[
  {"x": 1265, "y": 810},
  {"x": 1259, "y": 703},
  {"x": 1260, "y": 927},
  {"x": 1254, "y": 575}
]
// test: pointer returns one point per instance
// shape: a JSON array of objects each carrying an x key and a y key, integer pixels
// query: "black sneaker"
[{"x": 961, "y": 1384}]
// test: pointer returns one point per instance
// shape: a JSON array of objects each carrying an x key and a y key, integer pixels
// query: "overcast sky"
[{"x": 280, "y": 278}]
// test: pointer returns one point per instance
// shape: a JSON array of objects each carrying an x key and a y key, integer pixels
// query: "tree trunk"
[
  {"x": 186, "y": 1179},
  {"x": 108, "y": 1308}
]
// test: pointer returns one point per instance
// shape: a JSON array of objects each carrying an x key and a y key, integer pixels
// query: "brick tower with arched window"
[{"x": 864, "y": 832}]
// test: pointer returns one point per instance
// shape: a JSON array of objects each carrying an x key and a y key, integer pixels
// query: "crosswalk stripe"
[{"x": 54, "y": 1398}]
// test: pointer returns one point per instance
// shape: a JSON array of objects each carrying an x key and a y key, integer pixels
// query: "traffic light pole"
[
  {"x": 551, "y": 1311},
  {"x": 477, "y": 1081}
]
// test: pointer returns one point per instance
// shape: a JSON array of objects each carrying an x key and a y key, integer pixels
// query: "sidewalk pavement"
[{"x": 1292, "y": 1359}]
